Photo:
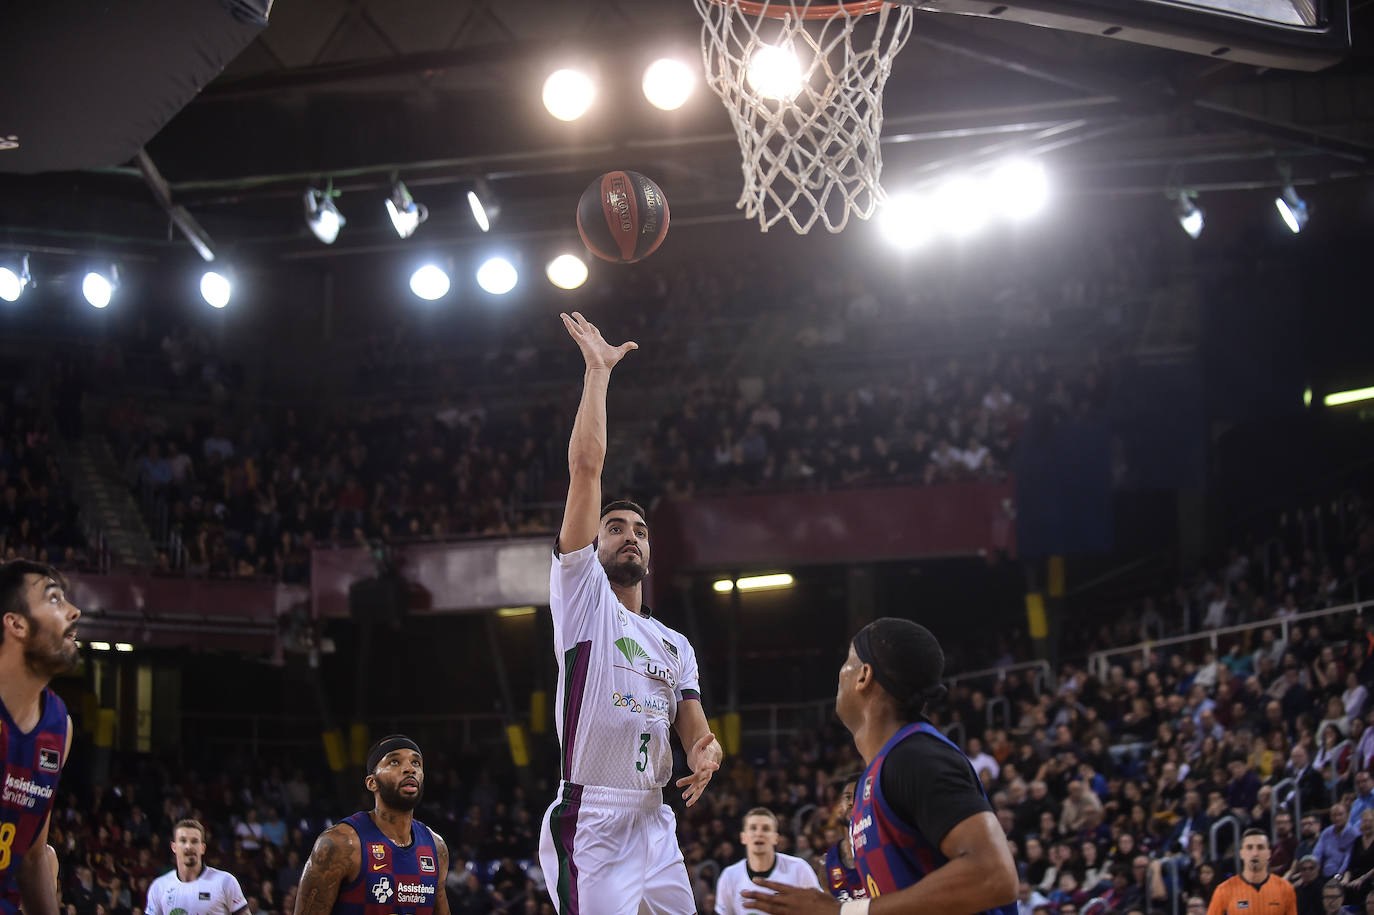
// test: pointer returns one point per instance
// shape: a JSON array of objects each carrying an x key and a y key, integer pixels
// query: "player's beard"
[
  {"x": 626, "y": 573},
  {"x": 392, "y": 797},
  {"x": 49, "y": 653}
]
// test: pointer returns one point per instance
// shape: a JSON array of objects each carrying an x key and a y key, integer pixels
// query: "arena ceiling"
[{"x": 443, "y": 92}]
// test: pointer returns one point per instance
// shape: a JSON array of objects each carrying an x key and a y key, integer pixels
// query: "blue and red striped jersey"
[
  {"x": 33, "y": 762},
  {"x": 889, "y": 853},
  {"x": 844, "y": 883},
  {"x": 392, "y": 880}
]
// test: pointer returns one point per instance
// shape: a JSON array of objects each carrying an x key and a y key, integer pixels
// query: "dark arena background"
[{"x": 1117, "y": 452}]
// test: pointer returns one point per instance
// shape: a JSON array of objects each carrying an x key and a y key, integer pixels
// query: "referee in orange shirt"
[{"x": 1254, "y": 891}]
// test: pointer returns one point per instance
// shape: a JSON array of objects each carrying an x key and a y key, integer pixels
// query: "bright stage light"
[
  {"x": 774, "y": 73},
  {"x": 429, "y": 283},
  {"x": 215, "y": 289},
  {"x": 98, "y": 288},
  {"x": 905, "y": 221},
  {"x": 960, "y": 206},
  {"x": 567, "y": 271},
  {"x": 568, "y": 94},
  {"x": 406, "y": 215},
  {"x": 1190, "y": 216},
  {"x": 497, "y": 276},
  {"x": 668, "y": 83},
  {"x": 1292, "y": 208},
  {"x": 1019, "y": 189},
  {"x": 12, "y": 284},
  {"x": 322, "y": 216}
]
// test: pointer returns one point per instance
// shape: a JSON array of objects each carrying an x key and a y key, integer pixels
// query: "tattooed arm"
[
  {"x": 334, "y": 861},
  {"x": 441, "y": 853}
]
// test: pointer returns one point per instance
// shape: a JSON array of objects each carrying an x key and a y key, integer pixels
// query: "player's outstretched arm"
[
  {"x": 703, "y": 749},
  {"x": 587, "y": 446},
  {"x": 441, "y": 856},
  {"x": 978, "y": 876},
  {"x": 334, "y": 860}
]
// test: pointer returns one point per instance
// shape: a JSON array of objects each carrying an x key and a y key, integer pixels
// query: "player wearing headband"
[
  {"x": 626, "y": 682},
  {"x": 381, "y": 861},
  {"x": 924, "y": 837}
]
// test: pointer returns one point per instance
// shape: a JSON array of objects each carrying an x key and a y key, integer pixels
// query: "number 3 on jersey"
[
  {"x": 6, "y": 840},
  {"x": 641, "y": 764}
]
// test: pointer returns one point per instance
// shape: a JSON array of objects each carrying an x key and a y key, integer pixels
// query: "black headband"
[
  {"x": 388, "y": 745},
  {"x": 895, "y": 670}
]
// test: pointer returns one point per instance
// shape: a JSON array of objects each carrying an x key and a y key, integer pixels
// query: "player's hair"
[
  {"x": 1254, "y": 832},
  {"x": 12, "y": 575},
  {"x": 190, "y": 824},
  {"x": 760, "y": 812},
  {"x": 844, "y": 778},
  {"x": 625, "y": 505}
]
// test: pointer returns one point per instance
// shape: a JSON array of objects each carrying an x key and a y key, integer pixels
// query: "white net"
[{"x": 806, "y": 98}]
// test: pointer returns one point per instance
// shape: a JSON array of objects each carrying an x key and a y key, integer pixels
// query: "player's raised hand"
[
  {"x": 703, "y": 759},
  {"x": 595, "y": 350},
  {"x": 788, "y": 900}
]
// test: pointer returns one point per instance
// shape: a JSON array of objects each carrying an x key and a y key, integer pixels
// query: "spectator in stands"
[{"x": 1333, "y": 847}]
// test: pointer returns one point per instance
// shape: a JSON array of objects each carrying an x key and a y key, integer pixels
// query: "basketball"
[{"x": 622, "y": 217}]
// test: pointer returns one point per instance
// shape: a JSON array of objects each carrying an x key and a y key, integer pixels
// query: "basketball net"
[{"x": 808, "y": 132}]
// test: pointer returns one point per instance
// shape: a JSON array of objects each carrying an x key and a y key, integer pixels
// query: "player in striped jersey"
[
  {"x": 923, "y": 833},
  {"x": 608, "y": 844},
  {"x": 37, "y": 641},
  {"x": 841, "y": 878},
  {"x": 381, "y": 861}
]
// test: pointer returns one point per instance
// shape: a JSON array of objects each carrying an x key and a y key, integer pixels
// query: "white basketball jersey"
[
  {"x": 734, "y": 880},
  {"x": 214, "y": 892},
  {"x": 620, "y": 679}
]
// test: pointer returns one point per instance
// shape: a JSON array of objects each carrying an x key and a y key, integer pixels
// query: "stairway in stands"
[{"x": 107, "y": 506}]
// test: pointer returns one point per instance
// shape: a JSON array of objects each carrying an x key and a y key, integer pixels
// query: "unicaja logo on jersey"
[
  {"x": 634, "y": 653},
  {"x": 382, "y": 891},
  {"x": 631, "y": 650}
]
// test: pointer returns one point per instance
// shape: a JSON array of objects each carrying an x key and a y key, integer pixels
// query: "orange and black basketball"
[{"x": 622, "y": 217}]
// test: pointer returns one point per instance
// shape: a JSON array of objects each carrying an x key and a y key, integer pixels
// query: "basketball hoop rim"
[{"x": 786, "y": 9}]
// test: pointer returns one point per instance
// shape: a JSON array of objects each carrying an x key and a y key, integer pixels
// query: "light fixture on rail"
[
  {"x": 497, "y": 276},
  {"x": 567, "y": 271},
  {"x": 568, "y": 94},
  {"x": 406, "y": 215},
  {"x": 215, "y": 288},
  {"x": 430, "y": 282},
  {"x": 1292, "y": 208},
  {"x": 99, "y": 288},
  {"x": 13, "y": 284},
  {"x": 1190, "y": 215},
  {"x": 483, "y": 204},
  {"x": 321, "y": 215},
  {"x": 668, "y": 83}
]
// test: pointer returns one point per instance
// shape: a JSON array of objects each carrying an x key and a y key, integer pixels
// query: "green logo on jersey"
[
  {"x": 177, "y": 912},
  {"x": 630, "y": 649}
]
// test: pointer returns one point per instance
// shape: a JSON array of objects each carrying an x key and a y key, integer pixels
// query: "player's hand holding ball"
[{"x": 703, "y": 759}]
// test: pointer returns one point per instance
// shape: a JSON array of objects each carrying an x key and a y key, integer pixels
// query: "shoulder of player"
[
  {"x": 440, "y": 846},
  {"x": 337, "y": 849},
  {"x": 927, "y": 747},
  {"x": 668, "y": 632},
  {"x": 735, "y": 871}
]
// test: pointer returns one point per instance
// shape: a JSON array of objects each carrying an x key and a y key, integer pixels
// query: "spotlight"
[
  {"x": 406, "y": 215},
  {"x": 429, "y": 282},
  {"x": 668, "y": 83},
  {"x": 12, "y": 284},
  {"x": 568, "y": 94},
  {"x": 774, "y": 73},
  {"x": 1020, "y": 189},
  {"x": 322, "y": 216},
  {"x": 1292, "y": 208},
  {"x": 483, "y": 204},
  {"x": 497, "y": 276},
  {"x": 905, "y": 221},
  {"x": 567, "y": 271},
  {"x": 1190, "y": 217},
  {"x": 960, "y": 206},
  {"x": 98, "y": 288},
  {"x": 215, "y": 289}
]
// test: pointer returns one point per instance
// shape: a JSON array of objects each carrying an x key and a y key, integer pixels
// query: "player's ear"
[
  {"x": 370, "y": 783},
  {"x": 15, "y": 624}
]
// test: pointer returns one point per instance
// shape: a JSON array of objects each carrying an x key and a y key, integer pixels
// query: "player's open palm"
[
  {"x": 703, "y": 759},
  {"x": 595, "y": 350}
]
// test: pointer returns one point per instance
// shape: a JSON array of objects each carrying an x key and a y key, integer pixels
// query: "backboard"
[{"x": 1287, "y": 34}]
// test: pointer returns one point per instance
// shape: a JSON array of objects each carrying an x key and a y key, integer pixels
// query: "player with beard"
[
  {"x": 842, "y": 879},
  {"x": 37, "y": 641},
  {"x": 608, "y": 843},
  {"x": 381, "y": 861},
  {"x": 193, "y": 887}
]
